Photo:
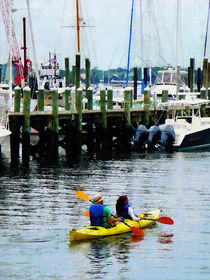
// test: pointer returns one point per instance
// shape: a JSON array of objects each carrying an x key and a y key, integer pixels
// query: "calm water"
[{"x": 38, "y": 206}]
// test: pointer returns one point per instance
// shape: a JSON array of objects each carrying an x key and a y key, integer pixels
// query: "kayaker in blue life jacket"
[
  {"x": 100, "y": 214},
  {"x": 124, "y": 210}
]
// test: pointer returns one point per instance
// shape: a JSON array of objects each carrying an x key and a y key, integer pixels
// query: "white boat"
[
  {"x": 191, "y": 132},
  {"x": 167, "y": 80},
  {"x": 49, "y": 74}
]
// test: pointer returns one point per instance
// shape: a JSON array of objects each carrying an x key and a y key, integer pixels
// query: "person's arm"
[
  {"x": 113, "y": 220},
  {"x": 133, "y": 216}
]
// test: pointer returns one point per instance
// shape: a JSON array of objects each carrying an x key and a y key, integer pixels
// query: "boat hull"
[
  {"x": 94, "y": 232},
  {"x": 195, "y": 141}
]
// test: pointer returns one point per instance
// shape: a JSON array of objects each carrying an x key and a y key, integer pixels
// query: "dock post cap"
[{"x": 26, "y": 88}]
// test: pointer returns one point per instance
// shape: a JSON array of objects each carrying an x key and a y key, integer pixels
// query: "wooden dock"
[{"x": 100, "y": 130}]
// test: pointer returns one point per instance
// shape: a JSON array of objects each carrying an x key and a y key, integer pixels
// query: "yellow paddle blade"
[
  {"x": 81, "y": 195},
  {"x": 87, "y": 214}
]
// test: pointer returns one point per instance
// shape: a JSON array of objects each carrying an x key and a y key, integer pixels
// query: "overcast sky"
[{"x": 106, "y": 29}]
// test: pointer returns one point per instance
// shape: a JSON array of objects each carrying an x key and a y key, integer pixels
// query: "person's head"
[
  {"x": 97, "y": 199},
  {"x": 121, "y": 202}
]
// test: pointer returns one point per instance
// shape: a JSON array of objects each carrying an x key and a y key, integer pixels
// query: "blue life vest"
[
  {"x": 124, "y": 213},
  {"x": 96, "y": 215}
]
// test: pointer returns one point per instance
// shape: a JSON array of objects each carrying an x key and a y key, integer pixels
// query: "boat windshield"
[
  {"x": 170, "y": 77},
  {"x": 186, "y": 118}
]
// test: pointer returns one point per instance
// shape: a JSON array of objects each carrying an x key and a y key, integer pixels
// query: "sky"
[{"x": 161, "y": 33}]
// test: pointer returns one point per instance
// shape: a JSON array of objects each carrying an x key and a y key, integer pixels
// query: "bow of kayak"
[{"x": 93, "y": 232}]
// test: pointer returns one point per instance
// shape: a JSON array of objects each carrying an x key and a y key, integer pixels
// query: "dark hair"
[{"x": 121, "y": 203}]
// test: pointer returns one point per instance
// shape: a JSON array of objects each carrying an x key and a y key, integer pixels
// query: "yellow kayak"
[{"x": 93, "y": 232}]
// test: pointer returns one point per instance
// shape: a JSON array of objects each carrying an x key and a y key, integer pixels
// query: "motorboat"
[
  {"x": 192, "y": 131},
  {"x": 175, "y": 84}
]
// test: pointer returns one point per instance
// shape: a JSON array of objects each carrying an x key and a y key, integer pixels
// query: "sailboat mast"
[
  {"x": 78, "y": 34},
  {"x": 207, "y": 26},
  {"x": 129, "y": 47}
]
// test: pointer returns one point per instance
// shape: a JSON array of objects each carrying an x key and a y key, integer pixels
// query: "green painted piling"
[
  {"x": 126, "y": 131},
  {"x": 131, "y": 98},
  {"x": 55, "y": 109},
  {"x": 79, "y": 108},
  {"x": 109, "y": 99},
  {"x": 40, "y": 100},
  {"x": 52, "y": 129},
  {"x": 87, "y": 72},
  {"x": 67, "y": 78},
  {"x": 77, "y": 83},
  {"x": 103, "y": 109},
  {"x": 191, "y": 75},
  {"x": 127, "y": 94},
  {"x": 67, "y": 99},
  {"x": 146, "y": 106},
  {"x": 26, "y": 125},
  {"x": 89, "y": 96},
  {"x": 17, "y": 99}
]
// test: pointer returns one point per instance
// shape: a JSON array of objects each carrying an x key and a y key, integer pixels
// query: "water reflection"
[{"x": 165, "y": 238}]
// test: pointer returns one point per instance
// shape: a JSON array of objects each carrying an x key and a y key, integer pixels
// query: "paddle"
[
  {"x": 162, "y": 220},
  {"x": 81, "y": 195}
]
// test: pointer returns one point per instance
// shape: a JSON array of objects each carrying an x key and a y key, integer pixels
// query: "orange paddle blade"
[
  {"x": 165, "y": 220},
  {"x": 87, "y": 214},
  {"x": 81, "y": 195},
  {"x": 137, "y": 231}
]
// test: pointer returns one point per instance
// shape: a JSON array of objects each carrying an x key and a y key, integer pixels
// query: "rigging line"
[
  {"x": 166, "y": 31},
  {"x": 88, "y": 34},
  {"x": 207, "y": 25},
  {"x": 32, "y": 39},
  {"x": 129, "y": 47},
  {"x": 157, "y": 31}
]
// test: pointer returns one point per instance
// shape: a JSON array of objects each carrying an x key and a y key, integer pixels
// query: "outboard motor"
[
  {"x": 153, "y": 138},
  {"x": 140, "y": 138},
  {"x": 167, "y": 139}
]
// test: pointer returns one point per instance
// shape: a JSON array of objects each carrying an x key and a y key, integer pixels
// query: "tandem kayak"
[{"x": 93, "y": 232}]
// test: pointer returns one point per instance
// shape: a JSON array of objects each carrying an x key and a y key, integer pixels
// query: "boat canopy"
[{"x": 170, "y": 77}]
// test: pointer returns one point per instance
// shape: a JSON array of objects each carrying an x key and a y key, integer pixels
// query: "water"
[{"x": 38, "y": 206}]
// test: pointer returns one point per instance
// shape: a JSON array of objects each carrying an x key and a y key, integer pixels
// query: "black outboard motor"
[
  {"x": 153, "y": 138},
  {"x": 167, "y": 139},
  {"x": 140, "y": 138}
]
